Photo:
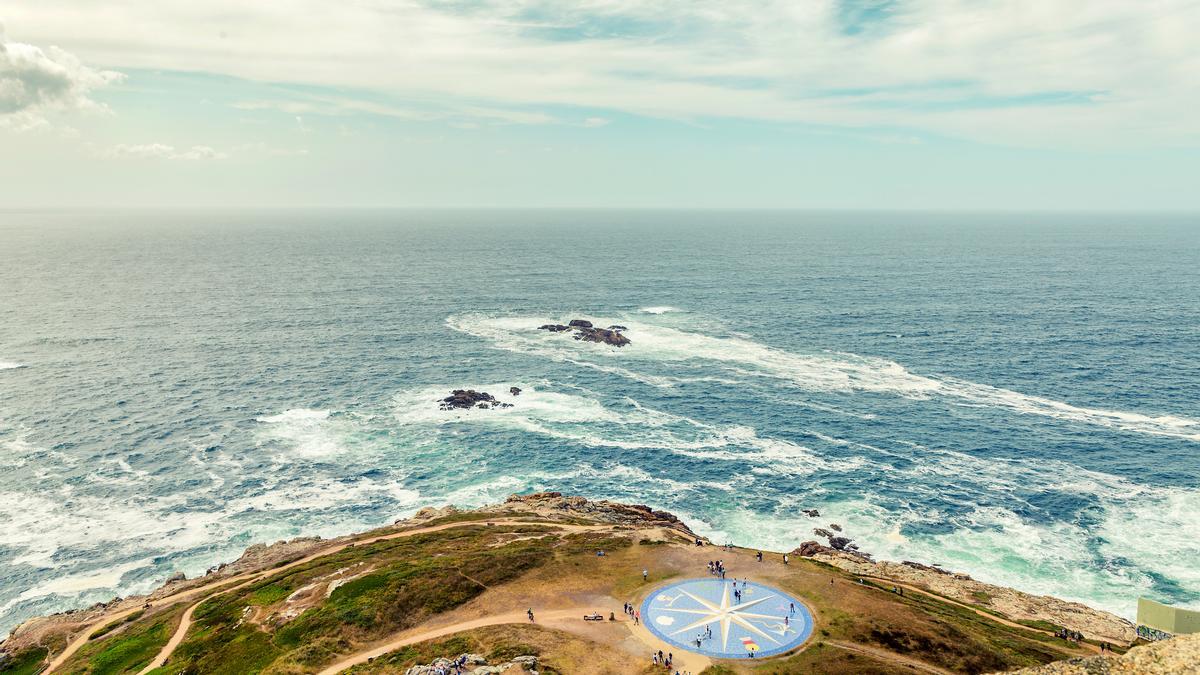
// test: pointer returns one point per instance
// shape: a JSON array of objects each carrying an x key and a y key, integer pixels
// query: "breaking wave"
[{"x": 830, "y": 372}]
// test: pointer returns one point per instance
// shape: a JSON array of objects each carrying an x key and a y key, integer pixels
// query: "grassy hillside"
[{"x": 302, "y": 617}]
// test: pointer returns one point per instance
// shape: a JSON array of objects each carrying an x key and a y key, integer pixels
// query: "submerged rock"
[
  {"x": 515, "y": 391},
  {"x": 554, "y": 327}
]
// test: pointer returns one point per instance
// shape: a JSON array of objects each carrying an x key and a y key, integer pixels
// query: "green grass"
[
  {"x": 424, "y": 652},
  {"x": 111, "y": 626},
  {"x": 269, "y": 594},
  {"x": 406, "y": 586},
  {"x": 24, "y": 662},
  {"x": 128, "y": 649}
]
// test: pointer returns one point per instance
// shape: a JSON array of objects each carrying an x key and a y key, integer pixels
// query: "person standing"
[{"x": 645, "y": 574}]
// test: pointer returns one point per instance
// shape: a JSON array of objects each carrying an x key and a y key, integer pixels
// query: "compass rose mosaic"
[{"x": 727, "y": 619}]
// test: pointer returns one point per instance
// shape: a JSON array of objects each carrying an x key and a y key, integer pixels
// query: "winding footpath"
[
  {"x": 245, "y": 578},
  {"x": 553, "y": 616},
  {"x": 409, "y": 637}
]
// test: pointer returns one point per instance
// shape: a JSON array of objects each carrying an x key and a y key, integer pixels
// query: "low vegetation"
[{"x": 302, "y": 618}]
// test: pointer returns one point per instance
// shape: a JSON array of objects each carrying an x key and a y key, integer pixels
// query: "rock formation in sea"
[
  {"x": 461, "y": 399},
  {"x": 586, "y": 332}
]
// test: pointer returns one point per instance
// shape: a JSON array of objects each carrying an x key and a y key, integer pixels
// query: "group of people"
[
  {"x": 666, "y": 660},
  {"x": 701, "y": 637},
  {"x": 716, "y": 568},
  {"x": 632, "y": 611},
  {"x": 1072, "y": 635}
]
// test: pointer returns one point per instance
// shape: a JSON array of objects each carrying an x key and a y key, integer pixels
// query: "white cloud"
[
  {"x": 162, "y": 151},
  {"x": 36, "y": 81},
  {"x": 1106, "y": 72}
]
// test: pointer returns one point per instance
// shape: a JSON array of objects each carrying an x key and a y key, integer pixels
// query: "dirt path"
[
  {"x": 686, "y": 660},
  {"x": 884, "y": 655},
  {"x": 1085, "y": 646},
  {"x": 543, "y": 617},
  {"x": 245, "y": 578}
]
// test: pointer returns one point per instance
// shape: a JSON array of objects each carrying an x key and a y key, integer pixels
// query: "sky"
[{"x": 821, "y": 104}]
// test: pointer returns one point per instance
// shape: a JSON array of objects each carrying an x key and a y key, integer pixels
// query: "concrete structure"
[
  {"x": 724, "y": 619},
  {"x": 1156, "y": 621}
]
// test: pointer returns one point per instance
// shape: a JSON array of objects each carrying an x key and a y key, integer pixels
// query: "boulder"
[
  {"x": 579, "y": 323},
  {"x": 515, "y": 391},
  {"x": 811, "y": 513},
  {"x": 467, "y": 398},
  {"x": 554, "y": 327},
  {"x": 602, "y": 336},
  {"x": 810, "y": 548}
]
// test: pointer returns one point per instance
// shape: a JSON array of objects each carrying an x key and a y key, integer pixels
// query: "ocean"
[{"x": 1016, "y": 396}]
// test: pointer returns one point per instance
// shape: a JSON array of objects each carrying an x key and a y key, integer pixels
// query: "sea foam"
[{"x": 833, "y": 372}]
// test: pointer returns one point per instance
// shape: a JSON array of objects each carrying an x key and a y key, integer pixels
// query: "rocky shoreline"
[{"x": 554, "y": 506}]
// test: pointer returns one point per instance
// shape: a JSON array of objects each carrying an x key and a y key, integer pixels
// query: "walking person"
[
  {"x": 530, "y": 613},
  {"x": 645, "y": 574}
]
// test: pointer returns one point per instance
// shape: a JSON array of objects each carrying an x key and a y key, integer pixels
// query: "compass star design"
[{"x": 724, "y": 615}]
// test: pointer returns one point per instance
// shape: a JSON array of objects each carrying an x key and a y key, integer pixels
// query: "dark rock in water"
[
  {"x": 836, "y": 542},
  {"x": 811, "y": 513},
  {"x": 810, "y": 548},
  {"x": 586, "y": 332},
  {"x": 842, "y": 544},
  {"x": 602, "y": 336},
  {"x": 835, "y": 527},
  {"x": 515, "y": 391},
  {"x": 927, "y": 568},
  {"x": 467, "y": 398}
]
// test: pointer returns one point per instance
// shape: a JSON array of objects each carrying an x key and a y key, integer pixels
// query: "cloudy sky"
[{"x": 1037, "y": 104}]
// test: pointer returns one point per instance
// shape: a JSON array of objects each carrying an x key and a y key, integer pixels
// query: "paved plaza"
[{"x": 727, "y": 619}]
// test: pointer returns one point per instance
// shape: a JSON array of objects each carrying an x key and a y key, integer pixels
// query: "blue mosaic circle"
[{"x": 731, "y": 620}]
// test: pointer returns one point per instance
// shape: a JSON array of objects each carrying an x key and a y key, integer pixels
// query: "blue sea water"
[{"x": 1016, "y": 396}]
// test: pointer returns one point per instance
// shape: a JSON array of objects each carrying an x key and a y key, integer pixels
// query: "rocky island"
[
  {"x": 506, "y": 589},
  {"x": 585, "y": 331},
  {"x": 463, "y": 399}
]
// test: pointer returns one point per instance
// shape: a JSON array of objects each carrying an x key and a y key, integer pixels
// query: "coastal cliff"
[{"x": 447, "y": 583}]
